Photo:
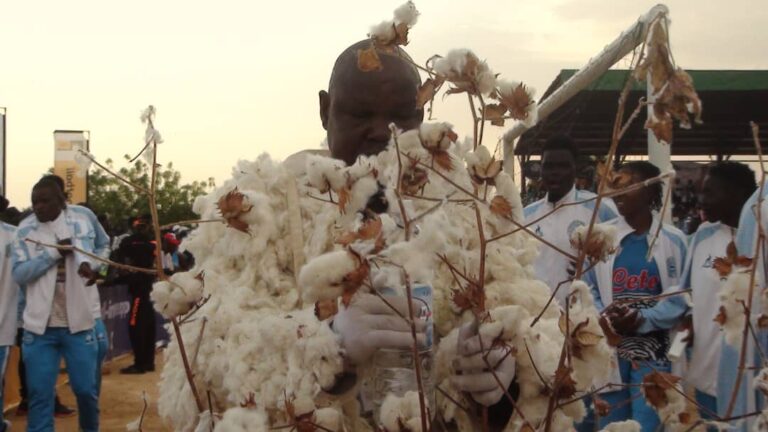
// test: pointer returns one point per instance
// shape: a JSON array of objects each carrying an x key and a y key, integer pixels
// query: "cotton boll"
[
  {"x": 486, "y": 81},
  {"x": 243, "y": 420},
  {"x": 407, "y": 14},
  {"x": 732, "y": 293},
  {"x": 396, "y": 410},
  {"x": 362, "y": 190},
  {"x": 324, "y": 173},
  {"x": 601, "y": 242},
  {"x": 507, "y": 188},
  {"x": 436, "y": 136},
  {"x": 321, "y": 278},
  {"x": 453, "y": 62},
  {"x": 623, "y": 426},
  {"x": 383, "y": 32},
  {"x": 83, "y": 159}
]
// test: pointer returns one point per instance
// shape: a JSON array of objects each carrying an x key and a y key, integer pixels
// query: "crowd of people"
[
  {"x": 651, "y": 258},
  {"x": 61, "y": 317}
]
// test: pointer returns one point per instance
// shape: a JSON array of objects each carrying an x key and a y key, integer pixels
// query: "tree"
[{"x": 118, "y": 201}]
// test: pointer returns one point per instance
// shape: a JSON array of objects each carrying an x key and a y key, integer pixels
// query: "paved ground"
[{"x": 121, "y": 401}]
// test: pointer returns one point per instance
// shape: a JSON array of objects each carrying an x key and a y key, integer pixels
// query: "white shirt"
[
  {"x": 551, "y": 266},
  {"x": 709, "y": 242}
]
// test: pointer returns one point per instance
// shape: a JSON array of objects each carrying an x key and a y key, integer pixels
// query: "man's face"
[
  {"x": 361, "y": 105},
  {"x": 631, "y": 203},
  {"x": 46, "y": 204},
  {"x": 558, "y": 172},
  {"x": 715, "y": 198}
]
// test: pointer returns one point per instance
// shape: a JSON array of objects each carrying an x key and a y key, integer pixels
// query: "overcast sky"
[{"x": 233, "y": 79}]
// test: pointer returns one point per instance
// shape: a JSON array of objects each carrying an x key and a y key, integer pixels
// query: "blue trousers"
[
  {"x": 4, "y": 352},
  {"x": 629, "y": 403},
  {"x": 102, "y": 341},
  {"x": 42, "y": 357}
]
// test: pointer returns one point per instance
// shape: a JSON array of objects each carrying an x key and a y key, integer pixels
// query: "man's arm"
[
  {"x": 664, "y": 316},
  {"x": 26, "y": 269},
  {"x": 590, "y": 279}
]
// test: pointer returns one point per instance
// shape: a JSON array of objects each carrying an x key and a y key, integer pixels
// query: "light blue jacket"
[{"x": 34, "y": 267}]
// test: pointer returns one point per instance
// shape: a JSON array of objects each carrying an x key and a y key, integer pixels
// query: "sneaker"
[
  {"x": 22, "y": 409},
  {"x": 61, "y": 410},
  {"x": 132, "y": 370}
]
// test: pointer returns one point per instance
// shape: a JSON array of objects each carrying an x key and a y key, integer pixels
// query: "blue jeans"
[
  {"x": 102, "y": 341},
  {"x": 707, "y": 407},
  {"x": 42, "y": 356},
  {"x": 4, "y": 352},
  {"x": 629, "y": 403}
]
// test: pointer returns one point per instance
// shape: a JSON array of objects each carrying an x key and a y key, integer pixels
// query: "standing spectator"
[
  {"x": 727, "y": 186},
  {"x": 9, "y": 292},
  {"x": 138, "y": 250},
  {"x": 558, "y": 171},
  {"x": 628, "y": 275},
  {"x": 747, "y": 398},
  {"x": 58, "y": 320}
]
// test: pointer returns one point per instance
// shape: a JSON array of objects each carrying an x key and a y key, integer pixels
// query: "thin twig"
[
  {"x": 753, "y": 270},
  {"x": 199, "y": 342},
  {"x": 94, "y": 256},
  {"x": 115, "y": 175}
]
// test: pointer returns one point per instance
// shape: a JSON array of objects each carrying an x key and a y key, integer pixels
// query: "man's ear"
[{"x": 325, "y": 105}]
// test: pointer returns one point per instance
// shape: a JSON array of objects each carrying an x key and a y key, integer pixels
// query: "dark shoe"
[
  {"x": 61, "y": 410},
  {"x": 132, "y": 370},
  {"x": 149, "y": 369},
  {"x": 22, "y": 409}
]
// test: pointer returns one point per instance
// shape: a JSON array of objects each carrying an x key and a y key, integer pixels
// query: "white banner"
[{"x": 66, "y": 145}]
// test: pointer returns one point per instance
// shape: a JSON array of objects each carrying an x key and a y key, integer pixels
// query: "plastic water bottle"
[{"x": 393, "y": 370}]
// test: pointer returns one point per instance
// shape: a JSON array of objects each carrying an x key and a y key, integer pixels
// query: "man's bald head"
[{"x": 358, "y": 107}]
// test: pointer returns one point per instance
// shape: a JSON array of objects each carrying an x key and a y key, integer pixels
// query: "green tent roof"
[
  {"x": 731, "y": 99},
  {"x": 703, "y": 80}
]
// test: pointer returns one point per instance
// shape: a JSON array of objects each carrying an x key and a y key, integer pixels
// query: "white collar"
[{"x": 623, "y": 229}]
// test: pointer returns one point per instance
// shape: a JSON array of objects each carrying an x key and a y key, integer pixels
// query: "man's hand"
[
  {"x": 477, "y": 364},
  {"x": 86, "y": 272},
  {"x": 65, "y": 242},
  {"x": 369, "y": 324},
  {"x": 625, "y": 320},
  {"x": 687, "y": 324}
]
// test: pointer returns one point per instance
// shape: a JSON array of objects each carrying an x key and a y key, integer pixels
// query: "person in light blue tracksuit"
[
  {"x": 747, "y": 399},
  {"x": 58, "y": 316},
  {"x": 637, "y": 270},
  {"x": 9, "y": 293},
  {"x": 100, "y": 239}
]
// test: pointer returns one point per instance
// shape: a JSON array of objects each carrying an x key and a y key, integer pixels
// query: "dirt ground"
[{"x": 121, "y": 401}]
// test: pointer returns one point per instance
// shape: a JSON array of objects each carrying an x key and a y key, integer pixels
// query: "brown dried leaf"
[
  {"x": 685, "y": 417},
  {"x": 325, "y": 309},
  {"x": 353, "y": 280},
  {"x": 721, "y": 317},
  {"x": 611, "y": 336},
  {"x": 443, "y": 159},
  {"x": 655, "y": 386},
  {"x": 501, "y": 207},
  {"x": 518, "y": 102},
  {"x": 344, "y": 195},
  {"x": 368, "y": 59},
  {"x": 401, "y": 30},
  {"x": 567, "y": 387},
  {"x": 471, "y": 297},
  {"x": 414, "y": 178},
  {"x": 661, "y": 127},
  {"x": 428, "y": 90},
  {"x": 602, "y": 407},
  {"x": 232, "y": 206},
  {"x": 495, "y": 113},
  {"x": 724, "y": 265}
]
